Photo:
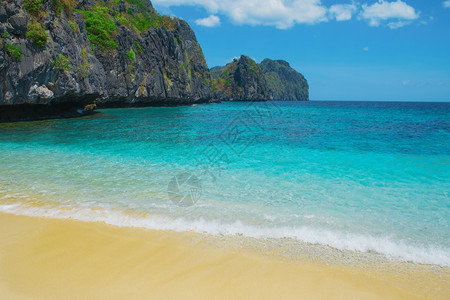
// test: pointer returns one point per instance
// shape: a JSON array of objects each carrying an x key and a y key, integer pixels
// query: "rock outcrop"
[
  {"x": 114, "y": 53},
  {"x": 245, "y": 80},
  {"x": 240, "y": 80},
  {"x": 284, "y": 82}
]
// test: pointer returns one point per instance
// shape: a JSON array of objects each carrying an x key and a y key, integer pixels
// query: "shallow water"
[{"x": 352, "y": 175}]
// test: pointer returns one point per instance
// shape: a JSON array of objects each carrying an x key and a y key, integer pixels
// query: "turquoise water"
[{"x": 360, "y": 176}]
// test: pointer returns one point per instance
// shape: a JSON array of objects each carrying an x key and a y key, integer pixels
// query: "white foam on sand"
[{"x": 397, "y": 250}]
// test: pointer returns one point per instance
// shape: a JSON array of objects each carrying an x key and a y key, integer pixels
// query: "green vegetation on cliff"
[
  {"x": 131, "y": 55},
  {"x": 100, "y": 26},
  {"x": 101, "y": 18},
  {"x": 62, "y": 62},
  {"x": 37, "y": 34},
  {"x": 66, "y": 6},
  {"x": 84, "y": 68},
  {"x": 136, "y": 15},
  {"x": 33, "y": 6},
  {"x": 14, "y": 50}
]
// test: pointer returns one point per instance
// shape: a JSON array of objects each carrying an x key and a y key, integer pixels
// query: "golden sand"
[{"x": 43, "y": 258}]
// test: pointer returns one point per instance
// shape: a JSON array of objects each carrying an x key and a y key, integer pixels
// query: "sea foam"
[{"x": 394, "y": 250}]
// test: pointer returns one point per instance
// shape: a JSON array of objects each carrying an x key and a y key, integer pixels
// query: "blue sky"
[{"x": 391, "y": 50}]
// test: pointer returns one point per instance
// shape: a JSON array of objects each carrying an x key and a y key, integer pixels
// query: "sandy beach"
[{"x": 43, "y": 258}]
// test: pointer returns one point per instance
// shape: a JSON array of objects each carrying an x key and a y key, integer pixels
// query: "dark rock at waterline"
[{"x": 34, "y": 112}]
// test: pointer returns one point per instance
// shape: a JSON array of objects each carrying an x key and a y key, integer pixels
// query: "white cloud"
[
  {"x": 366, "y": 49},
  {"x": 279, "y": 13},
  {"x": 399, "y": 11},
  {"x": 342, "y": 12},
  {"x": 398, "y": 24},
  {"x": 211, "y": 21},
  {"x": 285, "y": 14},
  {"x": 446, "y": 4}
]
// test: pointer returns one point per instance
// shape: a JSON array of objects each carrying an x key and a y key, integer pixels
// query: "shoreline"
[
  {"x": 53, "y": 258},
  {"x": 362, "y": 250}
]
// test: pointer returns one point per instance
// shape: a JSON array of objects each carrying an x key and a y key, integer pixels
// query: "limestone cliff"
[
  {"x": 284, "y": 83},
  {"x": 245, "y": 80},
  {"x": 116, "y": 53},
  {"x": 240, "y": 80}
]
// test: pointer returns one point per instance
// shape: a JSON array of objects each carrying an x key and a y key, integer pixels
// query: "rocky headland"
[{"x": 60, "y": 55}]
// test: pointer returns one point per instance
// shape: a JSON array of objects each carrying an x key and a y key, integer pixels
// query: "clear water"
[{"x": 359, "y": 176}]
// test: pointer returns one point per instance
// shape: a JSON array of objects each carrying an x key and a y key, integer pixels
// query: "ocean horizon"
[{"x": 360, "y": 176}]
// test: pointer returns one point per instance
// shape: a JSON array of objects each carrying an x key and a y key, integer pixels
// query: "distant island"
[
  {"x": 244, "y": 79},
  {"x": 57, "y": 57}
]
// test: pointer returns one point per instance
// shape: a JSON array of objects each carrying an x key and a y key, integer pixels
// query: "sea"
[{"x": 364, "y": 177}]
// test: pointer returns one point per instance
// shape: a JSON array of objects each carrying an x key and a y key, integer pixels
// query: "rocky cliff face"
[
  {"x": 245, "y": 80},
  {"x": 240, "y": 80},
  {"x": 116, "y": 53},
  {"x": 284, "y": 82}
]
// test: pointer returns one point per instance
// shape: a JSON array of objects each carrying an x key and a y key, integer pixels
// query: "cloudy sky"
[{"x": 348, "y": 50}]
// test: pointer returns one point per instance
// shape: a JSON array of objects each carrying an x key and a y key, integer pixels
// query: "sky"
[{"x": 373, "y": 50}]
